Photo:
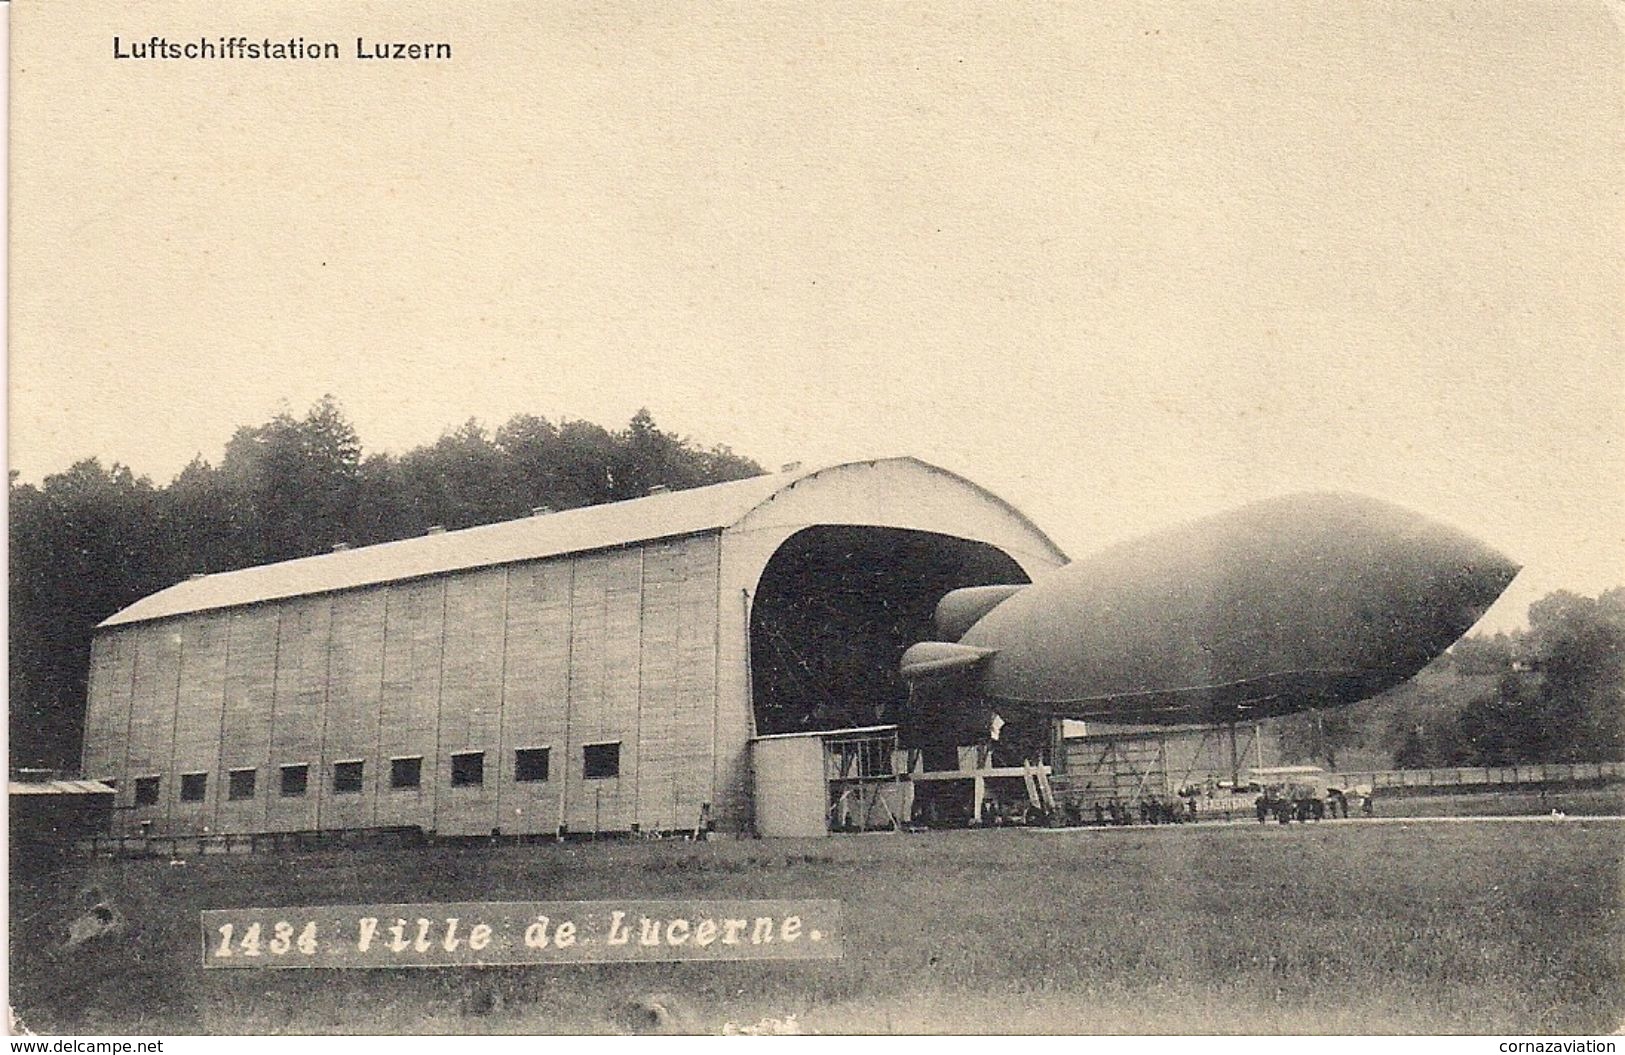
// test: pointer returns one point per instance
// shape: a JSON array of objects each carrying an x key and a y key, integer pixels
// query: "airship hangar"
[{"x": 718, "y": 658}]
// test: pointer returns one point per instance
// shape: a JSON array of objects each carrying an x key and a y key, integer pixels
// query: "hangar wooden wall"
[{"x": 617, "y": 646}]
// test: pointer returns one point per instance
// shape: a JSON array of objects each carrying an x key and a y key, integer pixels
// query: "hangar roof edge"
[
  {"x": 58, "y": 787},
  {"x": 672, "y": 514}
]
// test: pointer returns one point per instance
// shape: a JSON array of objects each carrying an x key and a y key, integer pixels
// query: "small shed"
[
  {"x": 59, "y": 811},
  {"x": 808, "y": 784}
]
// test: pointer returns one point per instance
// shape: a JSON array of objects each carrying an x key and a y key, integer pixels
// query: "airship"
[{"x": 1298, "y": 602}]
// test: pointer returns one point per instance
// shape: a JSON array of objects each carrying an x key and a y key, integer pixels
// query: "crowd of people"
[
  {"x": 1284, "y": 803},
  {"x": 1299, "y": 804},
  {"x": 1115, "y": 813},
  {"x": 1073, "y": 813}
]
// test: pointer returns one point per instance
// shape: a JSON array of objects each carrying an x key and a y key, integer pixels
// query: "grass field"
[
  {"x": 1335, "y": 928},
  {"x": 1466, "y": 802}
]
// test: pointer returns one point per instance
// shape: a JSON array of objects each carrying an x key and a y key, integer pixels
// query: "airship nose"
[
  {"x": 1391, "y": 589},
  {"x": 1456, "y": 581},
  {"x": 1304, "y": 600}
]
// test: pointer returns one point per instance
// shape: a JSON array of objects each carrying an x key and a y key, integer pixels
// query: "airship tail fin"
[
  {"x": 937, "y": 659},
  {"x": 960, "y": 609}
]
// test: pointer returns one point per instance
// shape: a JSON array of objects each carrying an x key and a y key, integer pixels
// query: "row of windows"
[{"x": 530, "y": 765}]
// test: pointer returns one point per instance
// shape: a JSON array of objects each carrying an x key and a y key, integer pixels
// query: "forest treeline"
[
  {"x": 92, "y": 539},
  {"x": 1552, "y": 693}
]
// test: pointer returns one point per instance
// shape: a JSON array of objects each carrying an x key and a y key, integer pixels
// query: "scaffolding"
[
  {"x": 867, "y": 789},
  {"x": 1133, "y": 766},
  {"x": 860, "y": 781}
]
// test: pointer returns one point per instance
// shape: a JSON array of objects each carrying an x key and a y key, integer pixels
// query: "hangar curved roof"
[{"x": 606, "y": 526}]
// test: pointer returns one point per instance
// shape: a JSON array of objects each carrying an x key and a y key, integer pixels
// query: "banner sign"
[{"x": 493, "y": 933}]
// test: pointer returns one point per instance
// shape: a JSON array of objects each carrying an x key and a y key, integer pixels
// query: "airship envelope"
[{"x": 1304, "y": 601}]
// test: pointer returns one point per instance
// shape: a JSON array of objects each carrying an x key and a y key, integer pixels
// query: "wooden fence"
[
  {"x": 1484, "y": 776},
  {"x": 182, "y": 846}
]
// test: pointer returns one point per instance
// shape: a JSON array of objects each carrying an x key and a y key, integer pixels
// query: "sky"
[{"x": 1123, "y": 264}]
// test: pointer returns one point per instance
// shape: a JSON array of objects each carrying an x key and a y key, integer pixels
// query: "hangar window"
[
  {"x": 468, "y": 769},
  {"x": 601, "y": 761},
  {"x": 294, "y": 779},
  {"x": 241, "y": 784},
  {"x": 406, "y": 772},
  {"x": 194, "y": 786},
  {"x": 146, "y": 791},
  {"x": 530, "y": 764},
  {"x": 347, "y": 777}
]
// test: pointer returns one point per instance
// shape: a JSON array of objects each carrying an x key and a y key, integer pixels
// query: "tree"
[
  {"x": 201, "y": 514},
  {"x": 297, "y": 481},
  {"x": 1419, "y": 722},
  {"x": 84, "y": 544},
  {"x": 646, "y": 456},
  {"x": 534, "y": 450},
  {"x": 1579, "y": 651},
  {"x": 383, "y": 508},
  {"x": 1494, "y": 730},
  {"x": 1319, "y": 735},
  {"x": 1558, "y": 694},
  {"x": 1482, "y": 655},
  {"x": 462, "y": 480}
]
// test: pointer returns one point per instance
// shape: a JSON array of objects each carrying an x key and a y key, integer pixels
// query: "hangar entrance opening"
[{"x": 834, "y": 610}]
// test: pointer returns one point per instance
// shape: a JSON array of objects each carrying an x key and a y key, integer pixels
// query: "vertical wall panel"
[
  {"x": 355, "y": 674},
  {"x": 471, "y": 698},
  {"x": 205, "y": 639},
  {"x": 409, "y": 708},
  {"x": 107, "y": 739},
  {"x": 623, "y": 626},
  {"x": 695, "y": 714},
  {"x": 135, "y": 650},
  {"x": 107, "y": 711},
  {"x": 588, "y": 597},
  {"x": 246, "y": 724},
  {"x": 301, "y": 690},
  {"x": 663, "y": 564},
  {"x": 743, "y": 557},
  {"x": 152, "y": 727},
  {"x": 535, "y": 692}
]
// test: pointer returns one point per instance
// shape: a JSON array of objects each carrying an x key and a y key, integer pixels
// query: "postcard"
[{"x": 816, "y": 518}]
